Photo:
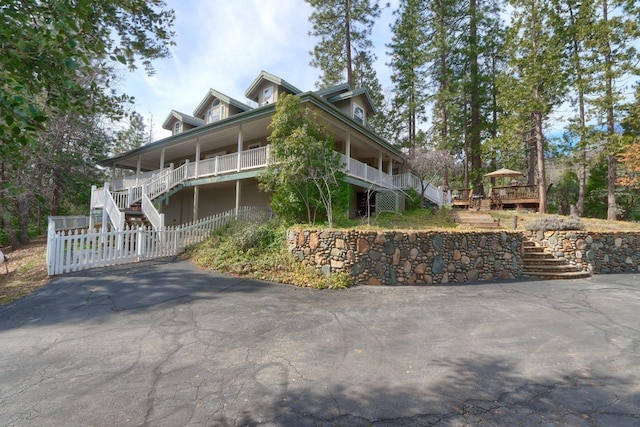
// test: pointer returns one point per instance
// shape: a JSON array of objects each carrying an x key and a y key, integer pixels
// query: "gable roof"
[
  {"x": 352, "y": 94},
  {"x": 333, "y": 90},
  {"x": 212, "y": 93},
  {"x": 184, "y": 118},
  {"x": 252, "y": 93}
]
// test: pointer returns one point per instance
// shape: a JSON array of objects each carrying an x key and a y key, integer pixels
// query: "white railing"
[
  {"x": 255, "y": 158},
  {"x": 121, "y": 198},
  {"x": 160, "y": 182},
  {"x": 97, "y": 197},
  {"x": 83, "y": 249},
  {"x": 132, "y": 181},
  {"x": 227, "y": 163},
  {"x": 113, "y": 211},
  {"x": 155, "y": 218}
]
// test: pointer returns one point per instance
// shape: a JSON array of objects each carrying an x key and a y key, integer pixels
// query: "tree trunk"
[
  {"x": 611, "y": 159},
  {"x": 541, "y": 174},
  {"x": 347, "y": 30},
  {"x": 582, "y": 174},
  {"x": 474, "y": 131}
]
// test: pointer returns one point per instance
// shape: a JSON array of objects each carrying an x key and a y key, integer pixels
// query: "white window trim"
[
  {"x": 364, "y": 114},
  {"x": 218, "y": 106},
  {"x": 177, "y": 128},
  {"x": 264, "y": 92}
]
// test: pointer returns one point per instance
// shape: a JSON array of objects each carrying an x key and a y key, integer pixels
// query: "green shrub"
[
  {"x": 259, "y": 251},
  {"x": 555, "y": 223}
]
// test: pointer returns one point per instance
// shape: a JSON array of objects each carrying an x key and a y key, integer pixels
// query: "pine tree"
[
  {"x": 344, "y": 31},
  {"x": 615, "y": 58},
  {"x": 534, "y": 82},
  {"x": 344, "y": 28},
  {"x": 579, "y": 18},
  {"x": 407, "y": 50}
]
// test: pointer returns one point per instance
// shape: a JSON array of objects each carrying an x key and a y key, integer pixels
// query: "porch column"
[
  {"x": 138, "y": 169},
  {"x": 239, "y": 146},
  {"x": 196, "y": 197},
  {"x": 197, "y": 156},
  {"x": 390, "y": 166},
  {"x": 380, "y": 161},
  {"x": 113, "y": 173},
  {"x": 238, "y": 196},
  {"x": 162, "y": 159},
  {"x": 348, "y": 150}
]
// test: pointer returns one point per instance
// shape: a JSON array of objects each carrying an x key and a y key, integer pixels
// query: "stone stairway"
[
  {"x": 540, "y": 264},
  {"x": 474, "y": 219}
]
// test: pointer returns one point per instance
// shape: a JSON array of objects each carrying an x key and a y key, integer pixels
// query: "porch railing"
[{"x": 159, "y": 182}]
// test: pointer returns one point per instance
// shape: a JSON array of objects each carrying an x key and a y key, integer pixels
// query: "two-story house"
[{"x": 211, "y": 161}]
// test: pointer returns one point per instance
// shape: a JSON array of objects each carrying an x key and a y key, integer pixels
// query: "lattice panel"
[{"x": 388, "y": 201}]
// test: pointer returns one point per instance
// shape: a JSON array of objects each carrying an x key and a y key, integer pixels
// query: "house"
[{"x": 211, "y": 161}]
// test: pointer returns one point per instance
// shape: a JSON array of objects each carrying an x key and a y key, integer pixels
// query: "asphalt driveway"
[{"x": 164, "y": 343}]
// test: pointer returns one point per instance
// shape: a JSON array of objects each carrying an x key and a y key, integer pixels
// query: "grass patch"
[
  {"x": 27, "y": 271},
  {"x": 259, "y": 251},
  {"x": 414, "y": 219},
  {"x": 590, "y": 224}
]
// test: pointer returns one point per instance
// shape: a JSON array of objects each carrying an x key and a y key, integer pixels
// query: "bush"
[
  {"x": 259, "y": 251},
  {"x": 555, "y": 223}
]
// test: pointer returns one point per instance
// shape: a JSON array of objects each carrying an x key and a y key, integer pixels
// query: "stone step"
[
  {"x": 554, "y": 267},
  {"x": 533, "y": 249},
  {"x": 557, "y": 275},
  {"x": 543, "y": 261},
  {"x": 538, "y": 255}
]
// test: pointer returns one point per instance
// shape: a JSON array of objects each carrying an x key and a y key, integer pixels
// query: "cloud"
[{"x": 224, "y": 45}]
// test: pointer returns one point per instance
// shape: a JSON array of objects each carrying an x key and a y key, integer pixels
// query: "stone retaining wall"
[
  {"x": 410, "y": 258},
  {"x": 610, "y": 252}
]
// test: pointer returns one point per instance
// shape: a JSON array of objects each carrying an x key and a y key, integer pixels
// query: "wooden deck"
[{"x": 498, "y": 198}]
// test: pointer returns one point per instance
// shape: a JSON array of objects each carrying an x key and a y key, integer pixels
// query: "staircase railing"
[
  {"x": 149, "y": 210},
  {"x": 112, "y": 210}
]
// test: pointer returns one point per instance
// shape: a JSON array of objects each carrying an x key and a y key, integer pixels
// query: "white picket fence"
[{"x": 75, "y": 250}]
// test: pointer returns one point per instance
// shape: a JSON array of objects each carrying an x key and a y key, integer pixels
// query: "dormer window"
[
  {"x": 267, "y": 95},
  {"x": 216, "y": 112},
  {"x": 358, "y": 114},
  {"x": 176, "y": 128}
]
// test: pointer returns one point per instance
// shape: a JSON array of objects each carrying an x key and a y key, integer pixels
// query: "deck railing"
[{"x": 516, "y": 192}]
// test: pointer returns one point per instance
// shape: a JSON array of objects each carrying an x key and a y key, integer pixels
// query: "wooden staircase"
[
  {"x": 134, "y": 217},
  {"x": 540, "y": 264},
  {"x": 474, "y": 219}
]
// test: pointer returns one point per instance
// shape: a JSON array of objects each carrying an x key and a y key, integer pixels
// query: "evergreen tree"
[
  {"x": 533, "y": 82},
  {"x": 578, "y": 16},
  {"x": 407, "y": 50},
  {"x": 615, "y": 58},
  {"x": 344, "y": 29},
  {"x": 133, "y": 136},
  {"x": 344, "y": 46}
]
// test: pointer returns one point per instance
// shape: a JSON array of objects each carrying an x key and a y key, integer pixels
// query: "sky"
[{"x": 224, "y": 45}]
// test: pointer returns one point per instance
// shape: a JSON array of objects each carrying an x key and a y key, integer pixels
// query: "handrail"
[
  {"x": 149, "y": 210},
  {"x": 113, "y": 212}
]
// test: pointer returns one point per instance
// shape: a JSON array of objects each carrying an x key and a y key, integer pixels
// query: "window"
[
  {"x": 267, "y": 95},
  {"x": 216, "y": 112},
  {"x": 176, "y": 128},
  {"x": 253, "y": 146},
  {"x": 358, "y": 114}
]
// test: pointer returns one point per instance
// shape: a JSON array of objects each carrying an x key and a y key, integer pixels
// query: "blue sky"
[{"x": 225, "y": 44}]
